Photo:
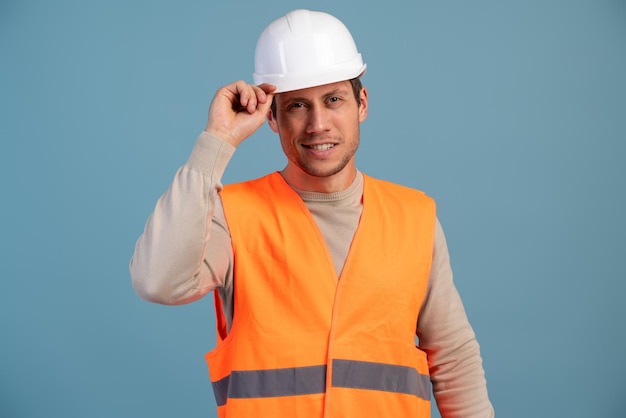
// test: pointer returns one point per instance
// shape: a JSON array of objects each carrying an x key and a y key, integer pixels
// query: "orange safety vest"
[{"x": 305, "y": 343}]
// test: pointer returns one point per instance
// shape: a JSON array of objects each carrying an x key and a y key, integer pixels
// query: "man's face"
[{"x": 319, "y": 128}]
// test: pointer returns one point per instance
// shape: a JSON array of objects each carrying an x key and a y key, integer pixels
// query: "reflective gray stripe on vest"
[
  {"x": 220, "y": 390},
  {"x": 271, "y": 383},
  {"x": 312, "y": 379},
  {"x": 378, "y": 376}
]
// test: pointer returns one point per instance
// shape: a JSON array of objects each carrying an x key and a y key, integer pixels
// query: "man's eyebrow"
[
  {"x": 338, "y": 91},
  {"x": 295, "y": 99}
]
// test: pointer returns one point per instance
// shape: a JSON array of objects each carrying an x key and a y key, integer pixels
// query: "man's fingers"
[
  {"x": 264, "y": 89},
  {"x": 255, "y": 95},
  {"x": 250, "y": 95},
  {"x": 264, "y": 94}
]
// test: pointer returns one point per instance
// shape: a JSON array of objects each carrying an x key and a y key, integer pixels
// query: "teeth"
[{"x": 322, "y": 147}]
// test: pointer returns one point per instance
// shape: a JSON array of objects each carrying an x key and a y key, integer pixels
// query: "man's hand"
[{"x": 238, "y": 110}]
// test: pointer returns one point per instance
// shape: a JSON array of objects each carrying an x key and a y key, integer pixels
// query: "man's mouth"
[{"x": 320, "y": 147}]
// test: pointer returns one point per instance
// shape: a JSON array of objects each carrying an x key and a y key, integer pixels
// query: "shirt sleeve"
[
  {"x": 183, "y": 253},
  {"x": 445, "y": 334}
]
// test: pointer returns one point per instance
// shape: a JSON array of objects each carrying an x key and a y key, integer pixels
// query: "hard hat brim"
[{"x": 297, "y": 82}]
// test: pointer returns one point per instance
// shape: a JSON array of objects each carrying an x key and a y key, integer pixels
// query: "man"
[{"x": 322, "y": 275}]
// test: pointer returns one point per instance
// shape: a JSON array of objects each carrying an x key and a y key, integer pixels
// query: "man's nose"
[{"x": 317, "y": 120}]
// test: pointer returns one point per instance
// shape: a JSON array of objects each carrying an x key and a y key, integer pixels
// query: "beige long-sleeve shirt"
[{"x": 185, "y": 252}]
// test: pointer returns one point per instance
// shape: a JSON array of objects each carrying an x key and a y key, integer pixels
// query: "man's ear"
[
  {"x": 363, "y": 105},
  {"x": 271, "y": 121}
]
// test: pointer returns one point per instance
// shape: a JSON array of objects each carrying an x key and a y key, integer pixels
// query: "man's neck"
[{"x": 296, "y": 178}]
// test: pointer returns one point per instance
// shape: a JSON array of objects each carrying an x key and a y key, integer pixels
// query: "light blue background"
[{"x": 511, "y": 113}]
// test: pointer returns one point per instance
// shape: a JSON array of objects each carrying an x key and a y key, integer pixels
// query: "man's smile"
[{"x": 319, "y": 147}]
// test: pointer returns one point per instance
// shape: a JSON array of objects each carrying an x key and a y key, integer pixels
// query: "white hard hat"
[{"x": 306, "y": 49}]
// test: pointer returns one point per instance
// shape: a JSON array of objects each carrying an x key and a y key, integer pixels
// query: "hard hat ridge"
[{"x": 305, "y": 49}]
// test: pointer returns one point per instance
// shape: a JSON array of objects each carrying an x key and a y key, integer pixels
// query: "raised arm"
[{"x": 183, "y": 252}]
